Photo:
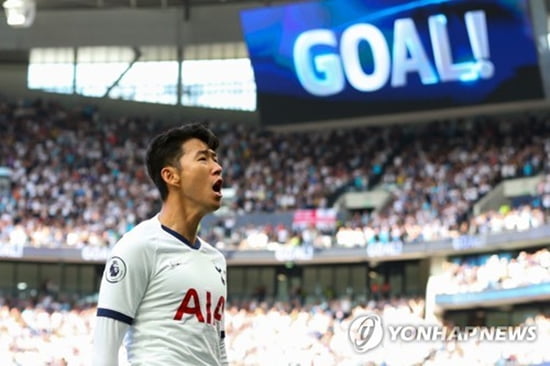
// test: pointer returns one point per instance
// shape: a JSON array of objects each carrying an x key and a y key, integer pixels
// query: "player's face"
[{"x": 200, "y": 176}]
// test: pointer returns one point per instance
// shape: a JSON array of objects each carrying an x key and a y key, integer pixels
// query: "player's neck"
[{"x": 184, "y": 222}]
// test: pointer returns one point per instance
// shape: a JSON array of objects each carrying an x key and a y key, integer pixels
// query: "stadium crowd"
[
  {"x": 48, "y": 333},
  {"x": 78, "y": 178},
  {"x": 521, "y": 218},
  {"x": 498, "y": 272},
  {"x": 447, "y": 167}
]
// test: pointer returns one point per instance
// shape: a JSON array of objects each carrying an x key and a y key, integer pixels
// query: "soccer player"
[{"x": 164, "y": 288}]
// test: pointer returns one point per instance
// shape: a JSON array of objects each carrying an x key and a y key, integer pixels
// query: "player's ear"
[{"x": 170, "y": 175}]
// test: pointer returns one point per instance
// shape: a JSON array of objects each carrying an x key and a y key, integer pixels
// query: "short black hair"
[{"x": 165, "y": 150}]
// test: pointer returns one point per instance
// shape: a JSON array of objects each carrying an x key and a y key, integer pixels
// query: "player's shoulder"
[
  {"x": 211, "y": 250},
  {"x": 141, "y": 236}
]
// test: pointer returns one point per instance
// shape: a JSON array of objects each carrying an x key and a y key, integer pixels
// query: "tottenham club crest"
[
  {"x": 115, "y": 270},
  {"x": 221, "y": 272}
]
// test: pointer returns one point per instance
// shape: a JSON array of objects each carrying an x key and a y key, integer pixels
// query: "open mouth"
[{"x": 217, "y": 187}]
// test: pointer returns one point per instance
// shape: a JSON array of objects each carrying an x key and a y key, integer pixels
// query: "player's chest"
[{"x": 181, "y": 272}]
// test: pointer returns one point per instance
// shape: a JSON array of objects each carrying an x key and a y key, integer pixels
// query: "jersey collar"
[{"x": 180, "y": 237}]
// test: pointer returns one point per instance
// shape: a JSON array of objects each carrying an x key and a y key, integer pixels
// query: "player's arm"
[
  {"x": 123, "y": 285},
  {"x": 108, "y": 335}
]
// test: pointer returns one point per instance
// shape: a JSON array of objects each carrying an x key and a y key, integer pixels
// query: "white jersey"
[{"x": 171, "y": 293}]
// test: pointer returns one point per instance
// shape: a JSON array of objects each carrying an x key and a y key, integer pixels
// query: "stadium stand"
[
  {"x": 57, "y": 334},
  {"x": 73, "y": 167},
  {"x": 103, "y": 175},
  {"x": 460, "y": 237},
  {"x": 498, "y": 272}
]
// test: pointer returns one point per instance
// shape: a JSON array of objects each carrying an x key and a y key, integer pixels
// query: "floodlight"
[{"x": 20, "y": 13}]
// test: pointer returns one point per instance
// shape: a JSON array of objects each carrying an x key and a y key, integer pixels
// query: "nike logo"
[{"x": 174, "y": 264}]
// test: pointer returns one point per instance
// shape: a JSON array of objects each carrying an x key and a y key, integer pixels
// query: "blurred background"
[{"x": 401, "y": 169}]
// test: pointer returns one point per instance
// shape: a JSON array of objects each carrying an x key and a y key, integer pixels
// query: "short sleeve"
[{"x": 125, "y": 279}]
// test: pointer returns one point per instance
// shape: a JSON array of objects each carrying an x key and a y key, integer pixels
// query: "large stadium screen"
[{"x": 347, "y": 58}]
